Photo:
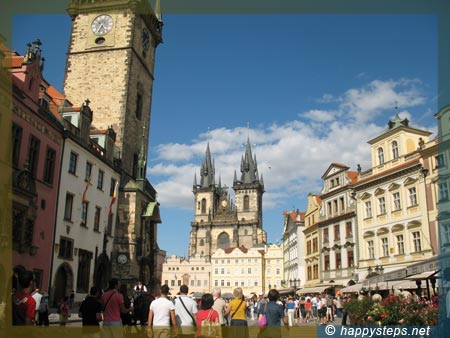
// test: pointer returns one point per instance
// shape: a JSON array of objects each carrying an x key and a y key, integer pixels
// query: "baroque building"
[
  {"x": 392, "y": 212},
  {"x": 337, "y": 224},
  {"x": 220, "y": 223},
  {"x": 111, "y": 61}
]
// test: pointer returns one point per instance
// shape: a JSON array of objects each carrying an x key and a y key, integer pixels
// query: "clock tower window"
[
  {"x": 139, "y": 106},
  {"x": 203, "y": 206},
  {"x": 135, "y": 164},
  {"x": 246, "y": 206}
]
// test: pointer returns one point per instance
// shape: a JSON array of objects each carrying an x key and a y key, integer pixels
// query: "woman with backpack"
[
  {"x": 207, "y": 318},
  {"x": 274, "y": 315}
]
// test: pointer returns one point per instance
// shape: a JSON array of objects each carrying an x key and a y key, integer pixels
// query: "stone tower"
[
  {"x": 218, "y": 221},
  {"x": 110, "y": 61}
]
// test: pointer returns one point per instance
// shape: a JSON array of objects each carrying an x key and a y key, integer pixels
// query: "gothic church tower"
[
  {"x": 111, "y": 61},
  {"x": 218, "y": 221}
]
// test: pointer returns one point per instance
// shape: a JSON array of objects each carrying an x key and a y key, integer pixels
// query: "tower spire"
[
  {"x": 157, "y": 10},
  {"x": 207, "y": 174},
  {"x": 249, "y": 168}
]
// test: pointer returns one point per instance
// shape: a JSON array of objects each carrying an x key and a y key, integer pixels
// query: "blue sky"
[{"x": 308, "y": 90}]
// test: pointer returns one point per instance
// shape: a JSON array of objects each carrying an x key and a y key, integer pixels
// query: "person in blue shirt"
[{"x": 274, "y": 314}]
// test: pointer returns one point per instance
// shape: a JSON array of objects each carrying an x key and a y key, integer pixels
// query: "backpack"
[
  {"x": 42, "y": 307},
  {"x": 208, "y": 328}
]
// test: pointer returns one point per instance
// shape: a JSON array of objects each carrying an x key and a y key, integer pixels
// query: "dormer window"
[
  {"x": 380, "y": 156},
  {"x": 44, "y": 104}
]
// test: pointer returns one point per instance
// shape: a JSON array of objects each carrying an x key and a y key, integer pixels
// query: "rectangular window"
[
  {"x": 338, "y": 260},
  {"x": 348, "y": 229},
  {"x": 308, "y": 247},
  {"x": 84, "y": 213},
  {"x": 222, "y": 271},
  {"x": 33, "y": 154},
  {"x": 16, "y": 144},
  {"x": 315, "y": 271},
  {"x": 416, "y": 241},
  {"x": 382, "y": 205},
  {"x": 443, "y": 191},
  {"x": 350, "y": 259},
  {"x": 112, "y": 187},
  {"x": 88, "y": 171},
  {"x": 440, "y": 161},
  {"x": 84, "y": 268},
  {"x": 73, "y": 163},
  {"x": 370, "y": 249},
  {"x": 110, "y": 224},
  {"x": 97, "y": 218},
  {"x": 412, "y": 196},
  {"x": 49, "y": 169},
  {"x": 397, "y": 204},
  {"x": 341, "y": 200},
  {"x": 65, "y": 248},
  {"x": 329, "y": 208},
  {"x": 337, "y": 234},
  {"x": 326, "y": 262},
  {"x": 368, "y": 205},
  {"x": 400, "y": 245},
  {"x": 309, "y": 273},
  {"x": 249, "y": 271},
  {"x": 315, "y": 244},
  {"x": 325, "y": 235},
  {"x": 100, "y": 179},
  {"x": 68, "y": 207},
  {"x": 385, "y": 246}
]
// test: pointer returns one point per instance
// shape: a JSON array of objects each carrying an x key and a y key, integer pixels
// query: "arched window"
[
  {"x": 380, "y": 156},
  {"x": 394, "y": 150},
  {"x": 204, "y": 206},
  {"x": 246, "y": 203},
  {"x": 223, "y": 241}
]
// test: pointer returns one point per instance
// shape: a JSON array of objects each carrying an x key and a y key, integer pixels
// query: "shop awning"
[
  {"x": 424, "y": 275},
  {"x": 352, "y": 288},
  {"x": 314, "y": 289},
  {"x": 286, "y": 291}
]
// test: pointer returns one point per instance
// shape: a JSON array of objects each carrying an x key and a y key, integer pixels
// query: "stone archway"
[{"x": 63, "y": 283}]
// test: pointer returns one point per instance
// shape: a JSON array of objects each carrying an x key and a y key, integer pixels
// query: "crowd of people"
[{"x": 164, "y": 315}]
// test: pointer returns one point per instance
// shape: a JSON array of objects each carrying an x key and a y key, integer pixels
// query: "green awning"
[{"x": 152, "y": 211}]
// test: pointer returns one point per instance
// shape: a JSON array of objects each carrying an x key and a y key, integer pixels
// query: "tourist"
[
  {"x": 37, "y": 296},
  {"x": 236, "y": 310},
  {"x": 91, "y": 313},
  {"x": 23, "y": 304},
  {"x": 290, "y": 306},
  {"x": 161, "y": 316},
  {"x": 208, "y": 316},
  {"x": 127, "y": 317},
  {"x": 185, "y": 313},
  {"x": 64, "y": 311},
  {"x": 43, "y": 311},
  {"x": 275, "y": 315},
  {"x": 114, "y": 306}
]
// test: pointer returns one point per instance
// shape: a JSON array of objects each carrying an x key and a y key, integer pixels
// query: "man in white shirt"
[
  {"x": 37, "y": 296},
  {"x": 185, "y": 313},
  {"x": 161, "y": 314}
]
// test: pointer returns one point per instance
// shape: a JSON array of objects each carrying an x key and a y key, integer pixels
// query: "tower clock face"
[
  {"x": 102, "y": 24},
  {"x": 122, "y": 259},
  {"x": 145, "y": 36}
]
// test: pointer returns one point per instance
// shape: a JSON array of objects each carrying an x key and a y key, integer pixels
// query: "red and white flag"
[
  {"x": 88, "y": 183},
  {"x": 113, "y": 200}
]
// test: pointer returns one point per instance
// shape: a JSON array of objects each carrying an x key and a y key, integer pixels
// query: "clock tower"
[{"x": 110, "y": 61}]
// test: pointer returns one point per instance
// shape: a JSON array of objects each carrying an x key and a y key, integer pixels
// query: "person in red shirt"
[
  {"x": 207, "y": 313},
  {"x": 114, "y": 305},
  {"x": 23, "y": 305}
]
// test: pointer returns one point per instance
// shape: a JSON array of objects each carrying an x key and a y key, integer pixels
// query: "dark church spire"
[
  {"x": 207, "y": 173},
  {"x": 249, "y": 168}
]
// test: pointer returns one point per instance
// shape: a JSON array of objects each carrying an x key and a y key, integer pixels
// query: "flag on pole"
[
  {"x": 113, "y": 200},
  {"x": 88, "y": 183}
]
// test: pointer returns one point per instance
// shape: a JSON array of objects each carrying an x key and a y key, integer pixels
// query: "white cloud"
[{"x": 292, "y": 156}]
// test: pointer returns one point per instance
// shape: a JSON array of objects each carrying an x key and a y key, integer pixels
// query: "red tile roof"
[
  {"x": 242, "y": 248},
  {"x": 353, "y": 176}
]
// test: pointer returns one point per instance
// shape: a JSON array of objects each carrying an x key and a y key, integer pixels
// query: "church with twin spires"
[{"x": 221, "y": 222}]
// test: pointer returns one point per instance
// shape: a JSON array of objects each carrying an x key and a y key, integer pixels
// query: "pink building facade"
[{"x": 35, "y": 156}]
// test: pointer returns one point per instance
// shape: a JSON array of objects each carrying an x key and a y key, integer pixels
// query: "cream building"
[
  {"x": 273, "y": 267},
  {"x": 195, "y": 273},
  {"x": 391, "y": 202}
]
